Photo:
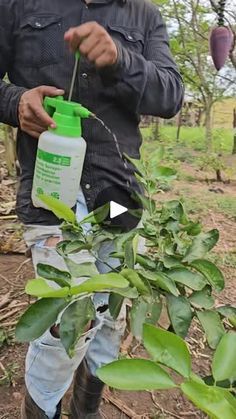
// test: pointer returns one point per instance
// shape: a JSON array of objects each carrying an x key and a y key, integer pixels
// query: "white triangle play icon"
[{"x": 116, "y": 209}]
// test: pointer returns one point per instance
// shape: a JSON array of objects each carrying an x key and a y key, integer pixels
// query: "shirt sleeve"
[
  {"x": 9, "y": 94},
  {"x": 148, "y": 84}
]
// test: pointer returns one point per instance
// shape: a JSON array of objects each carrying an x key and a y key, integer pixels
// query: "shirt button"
[
  {"x": 85, "y": 75},
  {"x": 87, "y": 186},
  {"x": 130, "y": 37},
  {"x": 38, "y": 24}
]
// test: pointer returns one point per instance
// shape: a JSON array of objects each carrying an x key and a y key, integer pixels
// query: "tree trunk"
[
  {"x": 234, "y": 126},
  {"x": 10, "y": 150},
  {"x": 219, "y": 176},
  {"x": 208, "y": 126},
  {"x": 156, "y": 130},
  {"x": 179, "y": 125}
]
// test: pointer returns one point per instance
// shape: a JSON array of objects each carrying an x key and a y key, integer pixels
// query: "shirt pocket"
[
  {"x": 41, "y": 40},
  {"x": 131, "y": 38}
]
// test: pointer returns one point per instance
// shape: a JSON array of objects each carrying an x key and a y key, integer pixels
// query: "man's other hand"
[
  {"x": 94, "y": 42},
  {"x": 32, "y": 116}
]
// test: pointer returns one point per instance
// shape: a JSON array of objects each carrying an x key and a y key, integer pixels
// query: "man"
[{"x": 125, "y": 70}]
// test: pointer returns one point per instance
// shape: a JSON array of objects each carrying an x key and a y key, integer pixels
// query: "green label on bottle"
[{"x": 54, "y": 158}]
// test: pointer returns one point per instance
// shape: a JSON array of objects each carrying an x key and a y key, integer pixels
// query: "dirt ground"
[{"x": 16, "y": 269}]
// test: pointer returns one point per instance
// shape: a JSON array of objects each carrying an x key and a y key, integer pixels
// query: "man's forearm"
[
  {"x": 147, "y": 83},
  {"x": 9, "y": 100},
  {"x": 151, "y": 88}
]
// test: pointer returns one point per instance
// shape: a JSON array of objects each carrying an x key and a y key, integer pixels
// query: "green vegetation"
[
  {"x": 192, "y": 137},
  {"x": 200, "y": 204},
  {"x": 176, "y": 274}
]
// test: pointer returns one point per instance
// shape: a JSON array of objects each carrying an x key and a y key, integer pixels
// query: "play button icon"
[
  {"x": 123, "y": 211},
  {"x": 116, "y": 209}
]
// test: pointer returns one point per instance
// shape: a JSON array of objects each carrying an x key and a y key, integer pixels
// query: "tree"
[{"x": 190, "y": 22}]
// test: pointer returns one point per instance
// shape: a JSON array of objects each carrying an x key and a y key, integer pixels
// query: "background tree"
[{"x": 190, "y": 22}]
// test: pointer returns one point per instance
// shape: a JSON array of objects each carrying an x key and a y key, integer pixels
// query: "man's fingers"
[
  {"x": 32, "y": 129},
  {"x": 75, "y": 36},
  {"x": 88, "y": 44},
  {"x": 95, "y": 53},
  {"x": 42, "y": 117},
  {"x": 81, "y": 31},
  {"x": 50, "y": 91}
]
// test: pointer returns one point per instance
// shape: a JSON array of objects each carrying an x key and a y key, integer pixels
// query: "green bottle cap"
[{"x": 67, "y": 116}]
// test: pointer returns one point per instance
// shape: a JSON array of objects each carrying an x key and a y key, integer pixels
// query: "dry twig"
[
  {"x": 5, "y": 300},
  {"x": 22, "y": 264},
  {"x": 5, "y": 279},
  {"x": 108, "y": 397},
  {"x": 9, "y": 314}
]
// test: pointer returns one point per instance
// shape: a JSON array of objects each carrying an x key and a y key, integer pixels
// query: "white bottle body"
[{"x": 58, "y": 168}]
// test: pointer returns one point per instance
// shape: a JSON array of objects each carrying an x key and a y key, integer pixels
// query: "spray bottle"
[{"x": 61, "y": 153}]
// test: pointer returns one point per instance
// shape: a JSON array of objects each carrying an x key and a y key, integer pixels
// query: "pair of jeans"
[{"x": 49, "y": 370}]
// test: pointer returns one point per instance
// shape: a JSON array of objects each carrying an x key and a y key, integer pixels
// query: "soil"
[{"x": 16, "y": 269}]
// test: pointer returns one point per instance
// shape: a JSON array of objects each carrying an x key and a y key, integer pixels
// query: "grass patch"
[
  {"x": 200, "y": 204},
  {"x": 193, "y": 137},
  {"x": 227, "y": 205}
]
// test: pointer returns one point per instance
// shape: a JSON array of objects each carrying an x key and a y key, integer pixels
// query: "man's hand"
[
  {"x": 94, "y": 42},
  {"x": 33, "y": 118}
]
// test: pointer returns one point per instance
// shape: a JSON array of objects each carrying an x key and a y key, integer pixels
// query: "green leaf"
[
  {"x": 129, "y": 254},
  {"x": 73, "y": 322},
  {"x": 202, "y": 299},
  {"x": 142, "y": 260},
  {"x": 161, "y": 280},
  {"x": 61, "y": 247},
  {"x": 201, "y": 244},
  {"x": 229, "y": 312},
  {"x": 38, "y": 318},
  {"x": 211, "y": 323},
  {"x": 101, "y": 282},
  {"x": 135, "y": 374},
  {"x": 135, "y": 243},
  {"x": 81, "y": 270},
  {"x": 60, "y": 210},
  {"x": 180, "y": 314},
  {"x": 144, "y": 310},
  {"x": 164, "y": 173},
  {"x": 121, "y": 239},
  {"x": 188, "y": 278},
  {"x": 97, "y": 216},
  {"x": 157, "y": 156},
  {"x": 172, "y": 210},
  {"x": 193, "y": 229},
  {"x": 146, "y": 202},
  {"x": 135, "y": 281},
  {"x": 128, "y": 292},
  {"x": 168, "y": 349},
  {"x": 171, "y": 262},
  {"x": 39, "y": 288},
  {"x": 51, "y": 273},
  {"x": 75, "y": 247},
  {"x": 115, "y": 304},
  {"x": 213, "y": 275},
  {"x": 224, "y": 360},
  {"x": 216, "y": 402},
  {"x": 145, "y": 261},
  {"x": 138, "y": 165}
]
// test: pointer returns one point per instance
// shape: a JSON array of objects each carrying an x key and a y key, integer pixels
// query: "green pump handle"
[{"x": 67, "y": 115}]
